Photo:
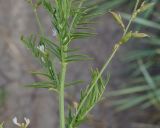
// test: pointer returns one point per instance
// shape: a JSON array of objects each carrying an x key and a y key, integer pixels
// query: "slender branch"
[
  {"x": 132, "y": 18},
  {"x": 99, "y": 75},
  {"x": 37, "y": 17},
  {"x": 73, "y": 20},
  {"x": 38, "y": 21},
  {"x": 105, "y": 65}
]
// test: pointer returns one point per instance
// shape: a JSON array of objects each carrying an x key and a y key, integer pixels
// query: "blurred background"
[{"x": 132, "y": 98}]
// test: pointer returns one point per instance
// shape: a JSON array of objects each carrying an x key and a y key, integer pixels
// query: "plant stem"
[
  {"x": 38, "y": 21},
  {"x": 61, "y": 95},
  {"x": 72, "y": 23},
  {"x": 105, "y": 66},
  {"x": 99, "y": 75},
  {"x": 132, "y": 18},
  {"x": 37, "y": 17}
]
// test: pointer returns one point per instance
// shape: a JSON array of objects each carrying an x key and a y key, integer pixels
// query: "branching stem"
[
  {"x": 105, "y": 66},
  {"x": 99, "y": 75}
]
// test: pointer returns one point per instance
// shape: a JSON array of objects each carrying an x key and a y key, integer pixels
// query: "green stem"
[
  {"x": 131, "y": 19},
  {"x": 72, "y": 23},
  {"x": 37, "y": 17},
  {"x": 105, "y": 66},
  {"x": 61, "y": 95},
  {"x": 99, "y": 75},
  {"x": 38, "y": 21}
]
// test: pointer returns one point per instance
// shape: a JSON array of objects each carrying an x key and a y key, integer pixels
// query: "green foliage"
[
  {"x": 93, "y": 94},
  {"x": 1, "y": 125},
  {"x": 72, "y": 20},
  {"x": 143, "y": 88}
]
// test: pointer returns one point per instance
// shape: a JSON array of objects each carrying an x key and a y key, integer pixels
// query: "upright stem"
[{"x": 61, "y": 95}]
